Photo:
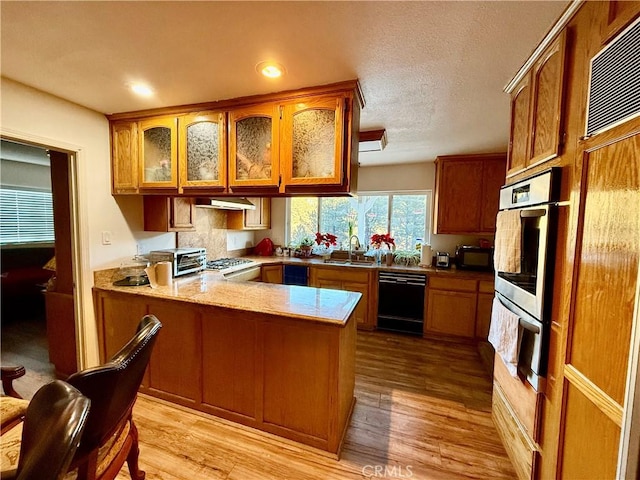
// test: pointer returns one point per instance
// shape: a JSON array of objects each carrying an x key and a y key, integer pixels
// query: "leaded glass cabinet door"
[
  {"x": 254, "y": 146},
  {"x": 203, "y": 149},
  {"x": 312, "y": 141},
  {"x": 159, "y": 152}
]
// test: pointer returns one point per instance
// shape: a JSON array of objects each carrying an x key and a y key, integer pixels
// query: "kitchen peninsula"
[{"x": 273, "y": 357}]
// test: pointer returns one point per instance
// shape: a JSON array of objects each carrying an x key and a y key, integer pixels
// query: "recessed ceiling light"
[
  {"x": 270, "y": 69},
  {"x": 142, "y": 89}
]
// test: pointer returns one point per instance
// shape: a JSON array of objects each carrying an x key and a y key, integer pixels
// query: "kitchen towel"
[
  {"x": 508, "y": 248},
  {"x": 505, "y": 335}
]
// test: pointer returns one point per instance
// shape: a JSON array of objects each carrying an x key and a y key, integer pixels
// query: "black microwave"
[{"x": 474, "y": 258}]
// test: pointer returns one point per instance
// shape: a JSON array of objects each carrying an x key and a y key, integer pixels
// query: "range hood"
[{"x": 228, "y": 203}]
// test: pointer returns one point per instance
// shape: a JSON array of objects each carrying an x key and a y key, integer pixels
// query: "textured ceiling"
[{"x": 432, "y": 73}]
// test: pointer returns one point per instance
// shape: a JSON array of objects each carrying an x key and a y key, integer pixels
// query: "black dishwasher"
[
  {"x": 401, "y": 302},
  {"x": 295, "y": 275}
]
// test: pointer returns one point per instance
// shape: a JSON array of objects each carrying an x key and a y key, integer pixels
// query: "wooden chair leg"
[
  {"x": 132, "y": 458},
  {"x": 9, "y": 374}
]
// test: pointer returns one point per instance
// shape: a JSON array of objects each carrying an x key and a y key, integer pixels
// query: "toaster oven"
[{"x": 183, "y": 260}]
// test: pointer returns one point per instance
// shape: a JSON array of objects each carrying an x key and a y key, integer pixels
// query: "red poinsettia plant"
[
  {"x": 377, "y": 239},
  {"x": 327, "y": 239}
]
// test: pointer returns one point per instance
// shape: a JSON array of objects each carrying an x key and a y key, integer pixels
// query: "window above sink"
[{"x": 406, "y": 215}]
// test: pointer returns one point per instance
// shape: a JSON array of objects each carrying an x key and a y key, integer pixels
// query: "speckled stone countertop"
[
  {"x": 431, "y": 271},
  {"x": 210, "y": 288}
]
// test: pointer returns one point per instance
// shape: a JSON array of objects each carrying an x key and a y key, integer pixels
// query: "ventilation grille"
[{"x": 614, "y": 86}]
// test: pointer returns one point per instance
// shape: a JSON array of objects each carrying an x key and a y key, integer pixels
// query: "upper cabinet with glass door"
[
  {"x": 296, "y": 142},
  {"x": 254, "y": 146},
  {"x": 203, "y": 150},
  {"x": 158, "y": 152},
  {"x": 312, "y": 141}
]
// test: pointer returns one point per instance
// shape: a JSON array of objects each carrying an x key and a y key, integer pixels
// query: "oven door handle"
[
  {"x": 533, "y": 213},
  {"x": 529, "y": 326}
]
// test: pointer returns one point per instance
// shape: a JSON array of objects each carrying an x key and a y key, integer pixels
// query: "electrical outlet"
[{"x": 106, "y": 237}]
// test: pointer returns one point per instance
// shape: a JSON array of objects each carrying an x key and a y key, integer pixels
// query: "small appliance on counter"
[
  {"x": 183, "y": 260},
  {"x": 470, "y": 257},
  {"x": 264, "y": 248},
  {"x": 442, "y": 260}
]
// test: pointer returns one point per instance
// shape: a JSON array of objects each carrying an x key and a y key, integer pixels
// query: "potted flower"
[
  {"x": 377, "y": 239},
  {"x": 305, "y": 246},
  {"x": 326, "y": 240}
]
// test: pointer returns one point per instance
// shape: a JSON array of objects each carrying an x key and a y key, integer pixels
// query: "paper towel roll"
[
  {"x": 163, "y": 273},
  {"x": 425, "y": 255}
]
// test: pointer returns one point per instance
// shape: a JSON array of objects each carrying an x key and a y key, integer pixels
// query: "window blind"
[{"x": 26, "y": 216}]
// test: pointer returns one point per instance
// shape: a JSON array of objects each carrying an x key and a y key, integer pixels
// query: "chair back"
[
  {"x": 52, "y": 428},
  {"x": 113, "y": 387}
]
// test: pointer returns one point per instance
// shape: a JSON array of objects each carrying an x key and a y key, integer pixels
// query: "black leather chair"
[
  {"x": 110, "y": 436},
  {"x": 51, "y": 432}
]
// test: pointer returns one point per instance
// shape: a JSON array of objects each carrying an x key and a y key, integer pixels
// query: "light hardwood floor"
[{"x": 423, "y": 411}]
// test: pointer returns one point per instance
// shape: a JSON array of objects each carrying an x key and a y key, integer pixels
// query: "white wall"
[
  {"x": 33, "y": 116},
  {"x": 396, "y": 178}
]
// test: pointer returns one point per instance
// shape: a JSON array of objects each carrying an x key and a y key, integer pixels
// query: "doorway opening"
[{"x": 38, "y": 320}]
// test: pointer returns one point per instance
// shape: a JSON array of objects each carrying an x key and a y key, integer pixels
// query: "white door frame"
[{"x": 79, "y": 233}]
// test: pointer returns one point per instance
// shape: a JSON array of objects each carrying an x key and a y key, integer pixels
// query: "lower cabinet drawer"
[{"x": 457, "y": 284}]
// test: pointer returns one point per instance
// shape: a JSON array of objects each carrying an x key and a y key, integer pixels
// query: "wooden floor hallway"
[{"x": 423, "y": 411}]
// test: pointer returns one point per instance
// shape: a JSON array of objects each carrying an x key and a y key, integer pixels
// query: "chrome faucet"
[{"x": 351, "y": 242}]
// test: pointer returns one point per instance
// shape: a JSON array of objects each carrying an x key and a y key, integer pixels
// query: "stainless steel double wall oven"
[{"x": 528, "y": 293}]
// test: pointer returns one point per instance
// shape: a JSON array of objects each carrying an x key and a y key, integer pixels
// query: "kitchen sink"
[
  {"x": 336, "y": 261},
  {"x": 342, "y": 261}
]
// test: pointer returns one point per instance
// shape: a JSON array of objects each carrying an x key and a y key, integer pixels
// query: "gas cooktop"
[{"x": 224, "y": 263}]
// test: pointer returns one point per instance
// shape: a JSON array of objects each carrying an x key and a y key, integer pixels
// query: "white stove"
[
  {"x": 224, "y": 263},
  {"x": 236, "y": 269}
]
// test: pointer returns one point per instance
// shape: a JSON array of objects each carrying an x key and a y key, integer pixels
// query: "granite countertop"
[
  {"x": 210, "y": 288},
  {"x": 429, "y": 270}
]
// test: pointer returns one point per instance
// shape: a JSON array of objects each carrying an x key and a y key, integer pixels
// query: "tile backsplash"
[{"x": 212, "y": 234}]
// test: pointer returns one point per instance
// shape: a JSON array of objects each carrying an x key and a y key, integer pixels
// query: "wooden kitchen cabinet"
[
  {"x": 228, "y": 362},
  {"x": 258, "y": 219},
  {"x": 618, "y": 14},
  {"x": 459, "y": 306},
  {"x": 124, "y": 157},
  {"x": 483, "y": 315},
  {"x": 312, "y": 141},
  {"x": 271, "y": 274},
  {"x": 169, "y": 214},
  {"x": 254, "y": 146},
  {"x": 175, "y": 369},
  {"x": 265, "y": 371},
  {"x": 118, "y": 318},
  {"x": 486, "y": 293},
  {"x": 353, "y": 280},
  {"x": 158, "y": 152},
  {"x": 202, "y": 155},
  {"x": 451, "y": 313},
  {"x": 467, "y": 193},
  {"x": 536, "y": 107},
  {"x": 289, "y": 145},
  {"x": 295, "y": 142}
]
